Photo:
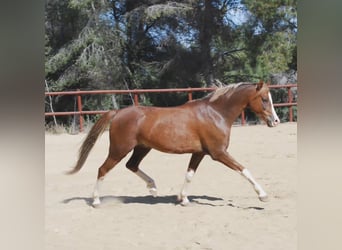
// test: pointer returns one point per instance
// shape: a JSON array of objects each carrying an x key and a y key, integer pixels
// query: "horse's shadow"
[{"x": 150, "y": 200}]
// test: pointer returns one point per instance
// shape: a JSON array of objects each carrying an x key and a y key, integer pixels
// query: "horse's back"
[{"x": 172, "y": 130}]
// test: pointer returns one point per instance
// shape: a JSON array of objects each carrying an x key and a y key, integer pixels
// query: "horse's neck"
[{"x": 231, "y": 107}]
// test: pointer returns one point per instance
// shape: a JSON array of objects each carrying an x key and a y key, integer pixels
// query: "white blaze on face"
[{"x": 274, "y": 114}]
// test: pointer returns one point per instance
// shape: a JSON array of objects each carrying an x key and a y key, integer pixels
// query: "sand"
[{"x": 225, "y": 212}]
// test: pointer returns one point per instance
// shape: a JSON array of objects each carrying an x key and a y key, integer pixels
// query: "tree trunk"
[
  {"x": 205, "y": 37},
  {"x": 50, "y": 103}
]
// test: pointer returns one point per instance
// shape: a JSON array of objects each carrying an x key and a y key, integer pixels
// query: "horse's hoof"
[
  {"x": 263, "y": 198},
  {"x": 183, "y": 201},
  {"x": 153, "y": 191},
  {"x": 96, "y": 203}
]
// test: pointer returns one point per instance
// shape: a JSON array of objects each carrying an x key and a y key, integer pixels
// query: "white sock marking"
[
  {"x": 188, "y": 178},
  {"x": 257, "y": 187},
  {"x": 96, "y": 195},
  {"x": 149, "y": 181}
]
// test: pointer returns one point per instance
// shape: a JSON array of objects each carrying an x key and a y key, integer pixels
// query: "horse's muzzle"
[{"x": 271, "y": 122}]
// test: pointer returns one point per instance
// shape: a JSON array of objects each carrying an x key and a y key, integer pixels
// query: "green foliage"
[{"x": 164, "y": 44}]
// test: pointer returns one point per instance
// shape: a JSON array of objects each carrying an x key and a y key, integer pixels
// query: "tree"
[
  {"x": 270, "y": 35},
  {"x": 162, "y": 44}
]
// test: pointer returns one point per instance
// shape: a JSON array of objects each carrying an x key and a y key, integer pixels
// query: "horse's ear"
[{"x": 259, "y": 85}]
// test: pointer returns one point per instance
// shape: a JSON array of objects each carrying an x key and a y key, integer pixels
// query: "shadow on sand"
[{"x": 150, "y": 200}]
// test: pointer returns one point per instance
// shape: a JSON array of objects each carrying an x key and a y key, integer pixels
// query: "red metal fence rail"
[{"x": 136, "y": 92}]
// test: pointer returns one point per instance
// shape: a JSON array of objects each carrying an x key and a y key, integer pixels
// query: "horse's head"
[{"x": 261, "y": 103}]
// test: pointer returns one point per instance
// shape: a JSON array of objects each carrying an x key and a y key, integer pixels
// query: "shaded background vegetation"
[{"x": 132, "y": 44}]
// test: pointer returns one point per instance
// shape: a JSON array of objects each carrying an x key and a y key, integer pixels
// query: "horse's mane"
[{"x": 227, "y": 90}]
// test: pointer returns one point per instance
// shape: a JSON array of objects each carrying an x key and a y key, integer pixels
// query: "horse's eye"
[{"x": 265, "y": 100}]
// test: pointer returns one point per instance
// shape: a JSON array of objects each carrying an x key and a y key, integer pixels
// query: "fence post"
[
  {"x": 243, "y": 120},
  {"x": 136, "y": 99},
  {"x": 289, "y": 94},
  {"x": 79, "y": 105},
  {"x": 190, "y": 95}
]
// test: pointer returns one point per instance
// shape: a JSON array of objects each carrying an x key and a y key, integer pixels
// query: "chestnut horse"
[{"x": 200, "y": 127}]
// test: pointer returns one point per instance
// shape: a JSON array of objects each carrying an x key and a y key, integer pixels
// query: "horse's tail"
[{"x": 98, "y": 128}]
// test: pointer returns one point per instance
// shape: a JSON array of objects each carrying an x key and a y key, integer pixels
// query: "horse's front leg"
[
  {"x": 261, "y": 193},
  {"x": 193, "y": 164},
  {"x": 230, "y": 162}
]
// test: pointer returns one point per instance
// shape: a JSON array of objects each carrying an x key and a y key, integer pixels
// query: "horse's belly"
[
  {"x": 173, "y": 143},
  {"x": 174, "y": 131}
]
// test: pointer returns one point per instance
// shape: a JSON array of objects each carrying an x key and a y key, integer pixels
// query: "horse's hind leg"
[
  {"x": 195, "y": 160},
  {"x": 133, "y": 164},
  {"x": 108, "y": 164}
]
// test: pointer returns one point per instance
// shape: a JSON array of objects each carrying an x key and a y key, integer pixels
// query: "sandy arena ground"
[{"x": 225, "y": 212}]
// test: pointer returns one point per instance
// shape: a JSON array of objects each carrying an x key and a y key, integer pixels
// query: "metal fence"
[{"x": 136, "y": 92}]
